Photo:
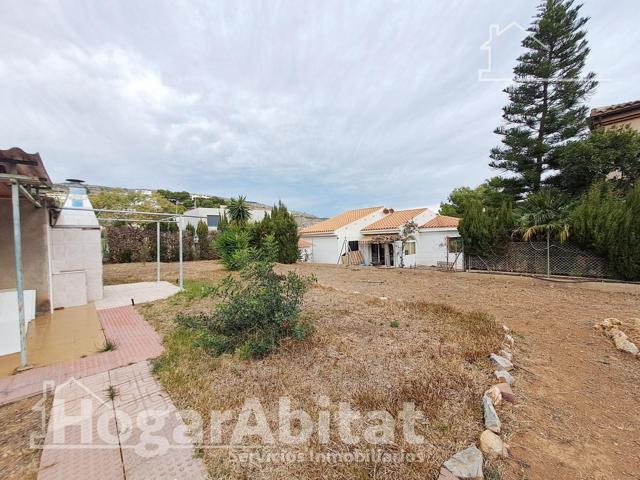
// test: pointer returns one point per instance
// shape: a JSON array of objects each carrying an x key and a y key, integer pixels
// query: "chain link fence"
[{"x": 531, "y": 257}]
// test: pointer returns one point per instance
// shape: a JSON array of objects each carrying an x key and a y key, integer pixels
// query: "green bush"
[
  {"x": 232, "y": 245},
  {"x": 256, "y": 312}
]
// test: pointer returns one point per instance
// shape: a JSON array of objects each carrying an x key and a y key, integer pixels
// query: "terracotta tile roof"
[
  {"x": 303, "y": 243},
  {"x": 332, "y": 224},
  {"x": 441, "y": 221},
  {"x": 618, "y": 107},
  {"x": 394, "y": 220}
]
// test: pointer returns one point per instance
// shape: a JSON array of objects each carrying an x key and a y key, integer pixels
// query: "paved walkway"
[
  {"x": 136, "y": 340},
  {"x": 141, "y": 292},
  {"x": 132, "y": 430}
]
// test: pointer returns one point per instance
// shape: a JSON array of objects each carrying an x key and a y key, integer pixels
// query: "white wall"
[
  {"x": 431, "y": 246},
  {"x": 326, "y": 249},
  {"x": 76, "y": 266}
]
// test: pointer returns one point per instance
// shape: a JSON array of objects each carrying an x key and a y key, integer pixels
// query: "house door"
[
  {"x": 377, "y": 254},
  {"x": 391, "y": 255}
]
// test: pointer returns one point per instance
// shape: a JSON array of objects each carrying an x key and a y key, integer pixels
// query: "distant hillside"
[{"x": 187, "y": 199}]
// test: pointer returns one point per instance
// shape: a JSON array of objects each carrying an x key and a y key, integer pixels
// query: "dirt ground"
[
  {"x": 578, "y": 410},
  {"x": 18, "y": 461}
]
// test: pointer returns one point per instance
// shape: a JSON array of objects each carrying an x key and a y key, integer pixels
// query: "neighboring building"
[
  {"x": 381, "y": 243},
  {"x": 334, "y": 237},
  {"x": 435, "y": 243},
  {"x": 616, "y": 116},
  {"x": 212, "y": 216}
]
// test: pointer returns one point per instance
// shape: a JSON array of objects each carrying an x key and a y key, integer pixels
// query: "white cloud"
[{"x": 326, "y": 105}]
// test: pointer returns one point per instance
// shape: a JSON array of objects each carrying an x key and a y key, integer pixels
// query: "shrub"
[
  {"x": 257, "y": 311},
  {"x": 232, "y": 246}
]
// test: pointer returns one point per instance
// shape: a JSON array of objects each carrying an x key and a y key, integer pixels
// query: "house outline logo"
[
  {"x": 51, "y": 386},
  {"x": 495, "y": 32}
]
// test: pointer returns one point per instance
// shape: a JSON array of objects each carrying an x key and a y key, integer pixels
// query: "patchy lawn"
[
  {"x": 371, "y": 353},
  {"x": 18, "y": 461}
]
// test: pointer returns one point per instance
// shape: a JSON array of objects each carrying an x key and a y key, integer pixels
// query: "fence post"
[{"x": 548, "y": 256}]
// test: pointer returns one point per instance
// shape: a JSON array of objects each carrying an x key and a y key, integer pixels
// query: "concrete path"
[
  {"x": 135, "y": 339},
  {"x": 122, "y": 295},
  {"x": 131, "y": 429}
]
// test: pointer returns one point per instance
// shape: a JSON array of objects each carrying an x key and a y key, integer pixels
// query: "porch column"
[{"x": 17, "y": 241}]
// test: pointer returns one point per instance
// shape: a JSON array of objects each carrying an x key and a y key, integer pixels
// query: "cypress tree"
[{"x": 546, "y": 101}]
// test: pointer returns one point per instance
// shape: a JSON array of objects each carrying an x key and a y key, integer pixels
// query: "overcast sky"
[{"x": 328, "y": 105}]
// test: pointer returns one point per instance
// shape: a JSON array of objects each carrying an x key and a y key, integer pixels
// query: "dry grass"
[
  {"x": 146, "y": 272},
  {"x": 436, "y": 358},
  {"x": 18, "y": 461}
]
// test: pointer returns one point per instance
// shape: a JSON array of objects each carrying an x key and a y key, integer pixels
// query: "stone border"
[{"x": 467, "y": 464}]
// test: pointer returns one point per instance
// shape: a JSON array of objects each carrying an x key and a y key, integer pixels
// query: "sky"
[{"x": 326, "y": 105}]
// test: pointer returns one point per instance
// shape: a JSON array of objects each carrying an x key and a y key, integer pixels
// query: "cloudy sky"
[{"x": 327, "y": 105}]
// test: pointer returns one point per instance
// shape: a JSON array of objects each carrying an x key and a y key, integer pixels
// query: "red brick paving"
[{"x": 136, "y": 340}]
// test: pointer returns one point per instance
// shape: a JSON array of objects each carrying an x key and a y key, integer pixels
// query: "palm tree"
[
  {"x": 545, "y": 212},
  {"x": 238, "y": 209}
]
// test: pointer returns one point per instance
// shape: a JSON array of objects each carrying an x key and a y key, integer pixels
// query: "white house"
[
  {"x": 381, "y": 242},
  {"x": 305, "y": 250},
  {"x": 212, "y": 215},
  {"x": 334, "y": 237},
  {"x": 375, "y": 234},
  {"x": 434, "y": 242}
]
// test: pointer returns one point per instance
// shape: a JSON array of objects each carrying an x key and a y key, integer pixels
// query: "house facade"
[
  {"x": 377, "y": 236},
  {"x": 436, "y": 243},
  {"x": 334, "y": 237},
  {"x": 382, "y": 241},
  {"x": 212, "y": 216}
]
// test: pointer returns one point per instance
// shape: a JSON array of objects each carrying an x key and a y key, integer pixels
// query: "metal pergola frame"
[
  {"x": 17, "y": 189},
  {"x": 117, "y": 216}
]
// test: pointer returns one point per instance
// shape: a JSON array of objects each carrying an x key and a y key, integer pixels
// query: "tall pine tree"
[{"x": 547, "y": 97}]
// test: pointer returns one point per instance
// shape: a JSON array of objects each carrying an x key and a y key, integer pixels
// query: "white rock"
[
  {"x": 506, "y": 329},
  {"x": 625, "y": 345},
  {"x": 491, "y": 444},
  {"x": 508, "y": 339},
  {"x": 494, "y": 394},
  {"x": 501, "y": 362},
  {"x": 491, "y": 420},
  {"x": 504, "y": 376},
  {"x": 506, "y": 354},
  {"x": 466, "y": 464}
]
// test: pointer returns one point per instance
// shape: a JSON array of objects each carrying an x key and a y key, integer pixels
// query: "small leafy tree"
[
  {"x": 232, "y": 245},
  {"x": 593, "y": 219},
  {"x": 256, "y": 313},
  {"x": 239, "y": 212},
  {"x": 612, "y": 154}
]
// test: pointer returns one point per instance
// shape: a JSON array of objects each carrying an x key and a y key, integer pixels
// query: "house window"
[
  {"x": 213, "y": 220},
  {"x": 410, "y": 248},
  {"x": 353, "y": 246}
]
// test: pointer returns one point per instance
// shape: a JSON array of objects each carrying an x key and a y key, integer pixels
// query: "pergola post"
[
  {"x": 17, "y": 240},
  {"x": 181, "y": 280},
  {"x": 157, "y": 251}
]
